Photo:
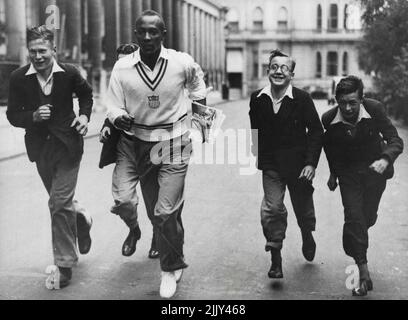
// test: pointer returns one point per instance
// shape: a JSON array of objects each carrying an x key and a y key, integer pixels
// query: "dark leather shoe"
[
  {"x": 365, "y": 286},
  {"x": 308, "y": 246},
  {"x": 153, "y": 252},
  {"x": 58, "y": 277},
  {"x": 84, "y": 238},
  {"x": 129, "y": 246},
  {"x": 275, "y": 272}
]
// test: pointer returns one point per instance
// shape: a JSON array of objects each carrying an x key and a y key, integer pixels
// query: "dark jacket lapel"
[
  {"x": 264, "y": 103},
  {"x": 58, "y": 84},
  {"x": 33, "y": 88}
]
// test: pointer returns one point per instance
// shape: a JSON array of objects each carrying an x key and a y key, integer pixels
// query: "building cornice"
[{"x": 209, "y": 6}]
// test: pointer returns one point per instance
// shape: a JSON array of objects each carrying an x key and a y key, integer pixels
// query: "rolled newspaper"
[{"x": 207, "y": 120}]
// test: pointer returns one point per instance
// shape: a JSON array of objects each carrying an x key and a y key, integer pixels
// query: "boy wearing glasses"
[
  {"x": 287, "y": 141},
  {"x": 361, "y": 162}
]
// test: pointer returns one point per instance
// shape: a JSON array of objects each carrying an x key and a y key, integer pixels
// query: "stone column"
[
  {"x": 197, "y": 32},
  {"x": 184, "y": 33},
  {"x": 157, "y": 6},
  {"x": 50, "y": 16},
  {"x": 223, "y": 52},
  {"x": 125, "y": 7},
  {"x": 112, "y": 34},
  {"x": 217, "y": 49},
  {"x": 191, "y": 31},
  {"x": 74, "y": 36},
  {"x": 215, "y": 53},
  {"x": 325, "y": 16},
  {"x": 95, "y": 34},
  {"x": 137, "y": 8},
  {"x": 147, "y": 4},
  {"x": 16, "y": 30},
  {"x": 33, "y": 13},
  {"x": 44, "y": 4},
  {"x": 210, "y": 49},
  {"x": 168, "y": 19},
  {"x": 340, "y": 15},
  {"x": 203, "y": 40},
  {"x": 177, "y": 21}
]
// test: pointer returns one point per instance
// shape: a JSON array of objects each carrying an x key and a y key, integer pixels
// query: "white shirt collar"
[
  {"x": 362, "y": 115},
  {"x": 164, "y": 54},
  {"x": 268, "y": 91},
  {"x": 55, "y": 68}
]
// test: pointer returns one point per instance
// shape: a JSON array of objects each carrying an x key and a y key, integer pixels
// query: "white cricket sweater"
[{"x": 155, "y": 98}]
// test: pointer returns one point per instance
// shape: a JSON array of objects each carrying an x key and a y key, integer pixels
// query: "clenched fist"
[
  {"x": 104, "y": 134},
  {"x": 124, "y": 122},
  {"x": 380, "y": 166},
  {"x": 81, "y": 124},
  {"x": 308, "y": 173},
  {"x": 43, "y": 113}
]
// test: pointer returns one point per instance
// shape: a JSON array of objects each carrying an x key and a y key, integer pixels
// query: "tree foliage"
[{"x": 384, "y": 51}]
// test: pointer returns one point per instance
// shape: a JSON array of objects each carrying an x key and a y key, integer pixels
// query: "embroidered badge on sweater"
[{"x": 153, "y": 101}]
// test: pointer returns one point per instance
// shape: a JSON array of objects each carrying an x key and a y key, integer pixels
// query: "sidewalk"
[{"x": 12, "y": 139}]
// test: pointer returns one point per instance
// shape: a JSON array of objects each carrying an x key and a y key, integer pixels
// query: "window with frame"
[
  {"x": 318, "y": 65},
  {"x": 345, "y": 64},
  {"x": 257, "y": 20},
  {"x": 319, "y": 22},
  {"x": 334, "y": 17},
  {"x": 283, "y": 19},
  {"x": 2, "y": 11},
  {"x": 233, "y": 21},
  {"x": 255, "y": 70},
  {"x": 332, "y": 63}
]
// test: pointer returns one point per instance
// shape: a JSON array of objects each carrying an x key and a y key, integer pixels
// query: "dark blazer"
[
  {"x": 374, "y": 139},
  {"x": 109, "y": 148},
  {"x": 289, "y": 140},
  {"x": 24, "y": 99}
]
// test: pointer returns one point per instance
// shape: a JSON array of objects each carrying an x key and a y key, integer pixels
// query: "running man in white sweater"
[{"x": 147, "y": 101}]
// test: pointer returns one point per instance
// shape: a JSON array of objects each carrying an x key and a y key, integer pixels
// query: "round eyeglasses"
[{"x": 275, "y": 67}]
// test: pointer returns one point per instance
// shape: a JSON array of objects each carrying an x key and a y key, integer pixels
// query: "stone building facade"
[
  {"x": 322, "y": 35},
  {"x": 89, "y": 31}
]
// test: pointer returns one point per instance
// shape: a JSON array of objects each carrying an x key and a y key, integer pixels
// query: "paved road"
[{"x": 224, "y": 241}]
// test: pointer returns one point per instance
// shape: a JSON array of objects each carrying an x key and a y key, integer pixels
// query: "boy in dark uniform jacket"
[
  {"x": 289, "y": 143},
  {"x": 40, "y": 101},
  {"x": 361, "y": 145}
]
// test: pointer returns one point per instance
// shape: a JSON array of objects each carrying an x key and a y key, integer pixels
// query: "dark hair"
[
  {"x": 349, "y": 85},
  {"x": 279, "y": 53},
  {"x": 40, "y": 32},
  {"x": 126, "y": 48},
  {"x": 152, "y": 13}
]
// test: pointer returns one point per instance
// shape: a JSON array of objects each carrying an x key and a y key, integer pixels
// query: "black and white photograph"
[{"x": 203, "y": 153}]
